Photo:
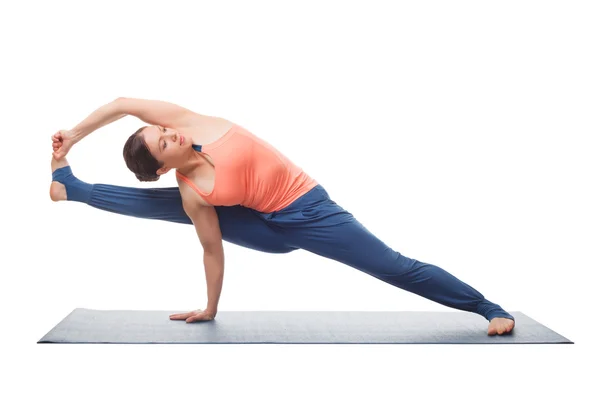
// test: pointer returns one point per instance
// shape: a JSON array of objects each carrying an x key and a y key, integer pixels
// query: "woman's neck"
[{"x": 192, "y": 162}]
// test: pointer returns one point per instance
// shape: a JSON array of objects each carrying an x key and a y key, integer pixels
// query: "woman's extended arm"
[
  {"x": 102, "y": 116},
  {"x": 153, "y": 112},
  {"x": 63, "y": 140}
]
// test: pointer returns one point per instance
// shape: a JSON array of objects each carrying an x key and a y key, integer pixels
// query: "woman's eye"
[{"x": 164, "y": 145}]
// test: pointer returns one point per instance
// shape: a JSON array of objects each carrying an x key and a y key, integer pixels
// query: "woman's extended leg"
[
  {"x": 239, "y": 225},
  {"x": 317, "y": 224}
]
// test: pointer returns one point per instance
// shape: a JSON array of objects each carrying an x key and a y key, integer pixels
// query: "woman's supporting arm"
[
  {"x": 206, "y": 222},
  {"x": 207, "y": 227}
]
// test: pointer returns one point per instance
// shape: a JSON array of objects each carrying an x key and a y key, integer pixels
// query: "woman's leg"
[
  {"x": 317, "y": 224},
  {"x": 239, "y": 225}
]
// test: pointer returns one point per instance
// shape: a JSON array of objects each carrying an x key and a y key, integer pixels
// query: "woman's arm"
[
  {"x": 154, "y": 112},
  {"x": 102, "y": 116},
  {"x": 206, "y": 222},
  {"x": 157, "y": 112},
  {"x": 207, "y": 227},
  {"x": 63, "y": 140}
]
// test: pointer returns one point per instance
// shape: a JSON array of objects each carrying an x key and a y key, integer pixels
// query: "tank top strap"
[{"x": 197, "y": 147}]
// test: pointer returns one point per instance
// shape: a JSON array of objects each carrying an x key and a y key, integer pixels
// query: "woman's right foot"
[{"x": 58, "y": 192}]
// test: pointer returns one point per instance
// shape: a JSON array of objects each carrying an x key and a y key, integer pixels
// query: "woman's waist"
[{"x": 262, "y": 196}]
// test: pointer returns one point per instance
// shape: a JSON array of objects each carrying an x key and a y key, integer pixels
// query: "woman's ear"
[{"x": 162, "y": 170}]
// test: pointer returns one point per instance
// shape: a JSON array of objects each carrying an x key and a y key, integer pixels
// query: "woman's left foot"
[
  {"x": 58, "y": 192},
  {"x": 500, "y": 326}
]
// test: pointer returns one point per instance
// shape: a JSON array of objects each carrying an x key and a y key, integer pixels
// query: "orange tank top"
[{"x": 252, "y": 173}]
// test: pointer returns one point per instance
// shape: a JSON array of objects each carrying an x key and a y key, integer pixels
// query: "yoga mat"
[{"x": 293, "y": 327}]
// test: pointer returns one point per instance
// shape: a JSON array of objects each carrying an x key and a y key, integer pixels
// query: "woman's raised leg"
[{"x": 239, "y": 225}]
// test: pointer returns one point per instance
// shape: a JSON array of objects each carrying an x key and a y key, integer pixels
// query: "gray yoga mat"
[{"x": 311, "y": 327}]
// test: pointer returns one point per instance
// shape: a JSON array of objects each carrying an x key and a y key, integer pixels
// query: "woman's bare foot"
[
  {"x": 58, "y": 191},
  {"x": 500, "y": 326}
]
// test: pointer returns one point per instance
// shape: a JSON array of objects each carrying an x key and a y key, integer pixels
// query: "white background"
[{"x": 461, "y": 133}]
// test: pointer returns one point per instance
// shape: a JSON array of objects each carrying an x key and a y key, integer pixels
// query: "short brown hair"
[{"x": 138, "y": 158}]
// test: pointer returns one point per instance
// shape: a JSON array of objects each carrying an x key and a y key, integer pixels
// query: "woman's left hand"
[
  {"x": 62, "y": 141},
  {"x": 194, "y": 316}
]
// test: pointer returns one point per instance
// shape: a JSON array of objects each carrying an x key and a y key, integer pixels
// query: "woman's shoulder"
[
  {"x": 209, "y": 129},
  {"x": 190, "y": 197}
]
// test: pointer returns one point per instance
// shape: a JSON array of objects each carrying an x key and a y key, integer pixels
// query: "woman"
[{"x": 236, "y": 187}]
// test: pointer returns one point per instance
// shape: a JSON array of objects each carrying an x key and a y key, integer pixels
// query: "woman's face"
[{"x": 166, "y": 145}]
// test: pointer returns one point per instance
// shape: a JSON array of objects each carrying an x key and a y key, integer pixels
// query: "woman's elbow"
[
  {"x": 122, "y": 105},
  {"x": 212, "y": 246},
  {"x": 119, "y": 101}
]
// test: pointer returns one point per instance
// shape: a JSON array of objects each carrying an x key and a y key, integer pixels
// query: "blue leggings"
[{"x": 313, "y": 222}]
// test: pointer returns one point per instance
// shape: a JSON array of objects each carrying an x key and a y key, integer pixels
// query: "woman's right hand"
[{"x": 62, "y": 141}]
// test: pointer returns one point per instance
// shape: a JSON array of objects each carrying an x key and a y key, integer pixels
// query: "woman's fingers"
[
  {"x": 56, "y": 145},
  {"x": 182, "y": 315},
  {"x": 192, "y": 316},
  {"x": 61, "y": 149},
  {"x": 198, "y": 317},
  {"x": 59, "y": 152}
]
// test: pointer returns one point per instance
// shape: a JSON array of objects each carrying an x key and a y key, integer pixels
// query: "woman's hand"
[
  {"x": 194, "y": 316},
  {"x": 62, "y": 141}
]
